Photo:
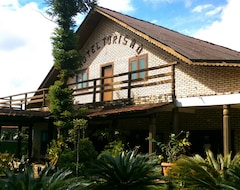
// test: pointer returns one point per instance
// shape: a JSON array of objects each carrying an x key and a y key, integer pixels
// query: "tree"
[
  {"x": 67, "y": 60},
  {"x": 67, "y": 57}
]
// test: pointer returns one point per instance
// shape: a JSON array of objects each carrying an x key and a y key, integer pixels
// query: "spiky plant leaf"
[{"x": 127, "y": 170}]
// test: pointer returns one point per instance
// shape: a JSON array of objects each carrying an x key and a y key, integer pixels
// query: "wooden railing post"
[
  {"x": 10, "y": 102},
  {"x": 25, "y": 101},
  {"x": 129, "y": 84},
  {"x": 94, "y": 92},
  {"x": 44, "y": 99}
]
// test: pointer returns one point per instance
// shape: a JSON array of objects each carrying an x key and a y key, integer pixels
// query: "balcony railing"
[
  {"x": 27, "y": 100},
  {"x": 122, "y": 83},
  {"x": 124, "y": 87}
]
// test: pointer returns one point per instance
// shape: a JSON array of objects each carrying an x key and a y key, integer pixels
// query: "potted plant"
[{"x": 176, "y": 145}]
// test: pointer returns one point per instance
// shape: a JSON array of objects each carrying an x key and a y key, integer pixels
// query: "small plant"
[
  {"x": 113, "y": 148},
  {"x": 176, "y": 146},
  {"x": 6, "y": 161},
  {"x": 53, "y": 151}
]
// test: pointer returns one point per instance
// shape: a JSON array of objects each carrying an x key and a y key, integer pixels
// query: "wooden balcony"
[{"x": 122, "y": 84}]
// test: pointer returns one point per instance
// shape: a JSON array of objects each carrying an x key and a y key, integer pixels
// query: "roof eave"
[{"x": 217, "y": 63}]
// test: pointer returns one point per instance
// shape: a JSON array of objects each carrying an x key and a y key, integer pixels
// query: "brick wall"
[{"x": 205, "y": 80}]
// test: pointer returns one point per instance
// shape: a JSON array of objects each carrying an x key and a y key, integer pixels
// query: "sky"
[{"x": 25, "y": 32}]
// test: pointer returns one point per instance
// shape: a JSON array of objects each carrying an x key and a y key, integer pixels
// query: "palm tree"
[
  {"x": 126, "y": 171},
  {"x": 210, "y": 173}
]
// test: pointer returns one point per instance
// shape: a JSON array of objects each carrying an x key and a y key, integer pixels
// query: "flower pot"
[{"x": 165, "y": 167}]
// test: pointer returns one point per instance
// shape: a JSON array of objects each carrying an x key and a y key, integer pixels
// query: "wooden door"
[{"x": 107, "y": 94}]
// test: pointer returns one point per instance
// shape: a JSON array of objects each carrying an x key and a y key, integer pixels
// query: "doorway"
[{"x": 107, "y": 73}]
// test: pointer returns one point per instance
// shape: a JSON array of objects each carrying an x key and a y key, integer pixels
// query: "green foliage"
[
  {"x": 210, "y": 173},
  {"x": 54, "y": 150},
  {"x": 64, "y": 11},
  {"x": 61, "y": 100},
  {"x": 176, "y": 146},
  {"x": 110, "y": 134},
  {"x": 126, "y": 171},
  {"x": 79, "y": 126},
  {"x": 66, "y": 53},
  {"x": 25, "y": 180},
  {"x": 87, "y": 153},
  {"x": 6, "y": 160},
  {"x": 113, "y": 148}
]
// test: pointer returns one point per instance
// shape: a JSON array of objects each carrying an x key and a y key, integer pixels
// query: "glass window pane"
[
  {"x": 134, "y": 68},
  {"x": 79, "y": 79},
  {"x": 142, "y": 66},
  {"x": 84, "y": 85}
]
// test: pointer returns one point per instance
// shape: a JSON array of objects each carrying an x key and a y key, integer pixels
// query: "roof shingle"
[{"x": 192, "y": 48}]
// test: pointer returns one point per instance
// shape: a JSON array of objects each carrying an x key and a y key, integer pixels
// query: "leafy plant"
[
  {"x": 47, "y": 180},
  {"x": 6, "y": 160},
  {"x": 213, "y": 173},
  {"x": 176, "y": 146},
  {"x": 113, "y": 148},
  {"x": 126, "y": 171},
  {"x": 53, "y": 151},
  {"x": 87, "y": 153}
]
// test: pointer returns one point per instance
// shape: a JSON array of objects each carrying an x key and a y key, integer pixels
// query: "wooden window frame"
[
  {"x": 137, "y": 59},
  {"x": 81, "y": 72}
]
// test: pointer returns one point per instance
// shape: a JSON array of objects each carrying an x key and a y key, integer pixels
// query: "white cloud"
[
  {"x": 25, "y": 47},
  {"x": 215, "y": 11},
  {"x": 121, "y": 6},
  {"x": 159, "y": 1},
  {"x": 226, "y": 31},
  {"x": 200, "y": 8}
]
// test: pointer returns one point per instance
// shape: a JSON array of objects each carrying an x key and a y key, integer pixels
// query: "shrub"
[
  {"x": 213, "y": 173},
  {"x": 125, "y": 171}
]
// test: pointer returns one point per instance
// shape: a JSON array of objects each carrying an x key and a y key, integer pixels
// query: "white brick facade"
[{"x": 118, "y": 52}]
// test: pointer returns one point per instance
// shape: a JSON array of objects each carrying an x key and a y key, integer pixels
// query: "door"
[{"x": 107, "y": 94}]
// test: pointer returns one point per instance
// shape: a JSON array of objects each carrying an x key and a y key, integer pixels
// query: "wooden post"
[
  {"x": 152, "y": 134},
  {"x": 129, "y": 85},
  {"x": 226, "y": 130},
  {"x": 94, "y": 92}
]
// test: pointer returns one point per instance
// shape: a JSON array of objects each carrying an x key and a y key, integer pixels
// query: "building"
[{"x": 152, "y": 81}]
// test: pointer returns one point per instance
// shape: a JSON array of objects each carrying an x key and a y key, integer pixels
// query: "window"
[
  {"x": 82, "y": 78},
  {"x": 138, "y": 63},
  {"x": 9, "y": 133}
]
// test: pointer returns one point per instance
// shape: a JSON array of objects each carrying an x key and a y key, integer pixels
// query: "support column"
[
  {"x": 226, "y": 130},
  {"x": 30, "y": 142},
  {"x": 175, "y": 122},
  {"x": 152, "y": 134}
]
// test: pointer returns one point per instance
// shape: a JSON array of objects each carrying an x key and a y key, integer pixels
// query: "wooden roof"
[
  {"x": 188, "y": 49},
  {"x": 131, "y": 109},
  {"x": 173, "y": 42}
]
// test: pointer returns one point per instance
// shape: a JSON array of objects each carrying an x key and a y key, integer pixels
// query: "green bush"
[{"x": 87, "y": 153}]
